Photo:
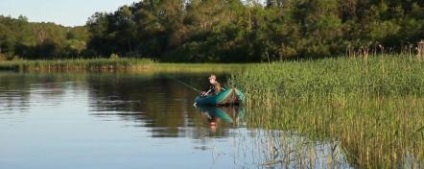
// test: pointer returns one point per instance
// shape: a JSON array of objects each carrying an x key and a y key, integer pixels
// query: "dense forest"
[{"x": 225, "y": 31}]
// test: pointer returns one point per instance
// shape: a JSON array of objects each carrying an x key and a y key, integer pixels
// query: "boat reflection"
[{"x": 222, "y": 115}]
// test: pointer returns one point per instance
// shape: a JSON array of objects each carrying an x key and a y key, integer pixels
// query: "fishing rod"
[{"x": 185, "y": 84}]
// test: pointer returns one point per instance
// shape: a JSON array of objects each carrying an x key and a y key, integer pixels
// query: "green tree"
[{"x": 254, "y": 30}]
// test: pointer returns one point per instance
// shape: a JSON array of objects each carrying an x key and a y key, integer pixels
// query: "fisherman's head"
[{"x": 212, "y": 78}]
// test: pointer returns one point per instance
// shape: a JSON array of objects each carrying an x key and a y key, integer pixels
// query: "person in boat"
[{"x": 215, "y": 87}]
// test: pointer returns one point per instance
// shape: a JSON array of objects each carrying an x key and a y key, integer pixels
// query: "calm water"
[{"x": 135, "y": 121}]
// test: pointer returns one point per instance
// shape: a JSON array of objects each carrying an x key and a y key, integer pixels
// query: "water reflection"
[
  {"x": 280, "y": 149},
  {"x": 11, "y": 98},
  {"x": 17, "y": 90},
  {"x": 157, "y": 101},
  {"x": 83, "y": 117},
  {"x": 216, "y": 117}
]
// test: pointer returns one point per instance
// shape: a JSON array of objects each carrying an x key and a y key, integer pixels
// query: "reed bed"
[
  {"x": 76, "y": 64},
  {"x": 113, "y": 64},
  {"x": 372, "y": 107}
]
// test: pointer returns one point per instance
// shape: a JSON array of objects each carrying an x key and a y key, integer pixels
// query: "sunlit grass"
[
  {"x": 338, "y": 77},
  {"x": 117, "y": 64},
  {"x": 373, "y": 107},
  {"x": 76, "y": 64}
]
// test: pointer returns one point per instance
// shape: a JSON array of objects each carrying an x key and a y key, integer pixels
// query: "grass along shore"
[
  {"x": 372, "y": 108},
  {"x": 75, "y": 64},
  {"x": 268, "y": 84},
  {"x": 111, "y": 64}
]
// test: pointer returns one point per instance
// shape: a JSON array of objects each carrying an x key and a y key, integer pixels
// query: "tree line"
[
  {"x": 22, "y": 39},
  {"x": 226, "y": 31}
]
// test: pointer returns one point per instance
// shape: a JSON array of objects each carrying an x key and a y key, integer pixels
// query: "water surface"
[{"x": 118, "y": 120}]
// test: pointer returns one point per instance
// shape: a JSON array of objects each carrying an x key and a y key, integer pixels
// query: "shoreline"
[{"x": 111, "y": 65}]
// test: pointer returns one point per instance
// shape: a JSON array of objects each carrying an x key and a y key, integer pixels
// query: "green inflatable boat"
[{"x": 231, "y": 96}]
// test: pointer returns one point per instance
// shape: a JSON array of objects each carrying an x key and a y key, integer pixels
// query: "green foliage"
[
  {"x": 18, "y": 37},
  {"x": 248, "y": 31},
  {"x": 225, "y": 31}
]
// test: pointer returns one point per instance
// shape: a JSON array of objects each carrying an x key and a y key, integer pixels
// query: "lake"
[{"x": 138, "y": 120}]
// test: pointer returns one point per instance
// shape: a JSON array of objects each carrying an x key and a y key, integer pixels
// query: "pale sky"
[{"x": 63, "y": 12}]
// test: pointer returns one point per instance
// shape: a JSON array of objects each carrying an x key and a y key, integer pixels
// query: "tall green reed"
[
  {"x": 344, "y": 77},
  {"x": 372, "y": 107},
  {"x": 114, "y": 64},
  {"x": 77, "y": 64}
]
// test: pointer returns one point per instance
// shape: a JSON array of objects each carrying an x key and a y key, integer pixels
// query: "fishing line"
[{"x": 185, "y": 84}]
